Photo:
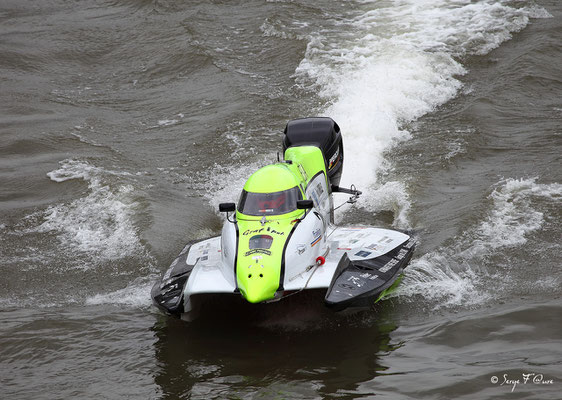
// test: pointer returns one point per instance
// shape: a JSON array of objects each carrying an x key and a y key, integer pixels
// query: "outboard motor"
[{"x": 322, "y": 132}]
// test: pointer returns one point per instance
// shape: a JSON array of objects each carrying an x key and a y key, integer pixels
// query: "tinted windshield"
[{"x": 269, "y": 203}]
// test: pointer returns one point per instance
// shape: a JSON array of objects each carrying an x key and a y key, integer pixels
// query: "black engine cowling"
[{"x": 322, "y": 132}]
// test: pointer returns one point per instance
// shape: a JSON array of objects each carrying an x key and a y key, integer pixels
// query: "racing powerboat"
[{"x": 281, "y": 238}]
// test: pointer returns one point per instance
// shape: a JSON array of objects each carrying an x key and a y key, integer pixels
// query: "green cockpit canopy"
[{"x": 272, "y": 190}]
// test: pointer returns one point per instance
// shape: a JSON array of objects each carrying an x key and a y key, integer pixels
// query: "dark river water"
[{"x": 124, "y": 123}]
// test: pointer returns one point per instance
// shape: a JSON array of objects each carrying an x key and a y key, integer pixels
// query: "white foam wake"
[
  {"x": 134, "y": 295},
  {"x": 395, "y": 62},
  {"x": 100, "y": 222},
  {"x": 459, "y": 274}
]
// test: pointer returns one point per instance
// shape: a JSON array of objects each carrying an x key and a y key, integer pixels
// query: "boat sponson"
[{"x": 360, "y": 282}]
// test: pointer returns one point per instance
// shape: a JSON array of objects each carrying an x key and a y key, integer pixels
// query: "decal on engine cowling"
[{"x": 334, "y": 159}]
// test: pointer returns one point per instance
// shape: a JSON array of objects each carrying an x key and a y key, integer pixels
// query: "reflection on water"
[{"x": 284, "y": 349}]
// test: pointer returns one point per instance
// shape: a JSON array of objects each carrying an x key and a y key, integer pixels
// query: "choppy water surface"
[{"x": 125, "y": 123}]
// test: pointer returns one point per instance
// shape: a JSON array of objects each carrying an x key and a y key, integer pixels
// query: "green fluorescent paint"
[
  {"x": 273, "y": 178},
  {"x": 391, "y": 289},
  {"x": 309, "y": 157},
  {"x": 258, "y": 272}
]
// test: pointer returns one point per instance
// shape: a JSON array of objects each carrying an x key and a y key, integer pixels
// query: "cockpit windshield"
[{"x": 276, "y": 203}]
